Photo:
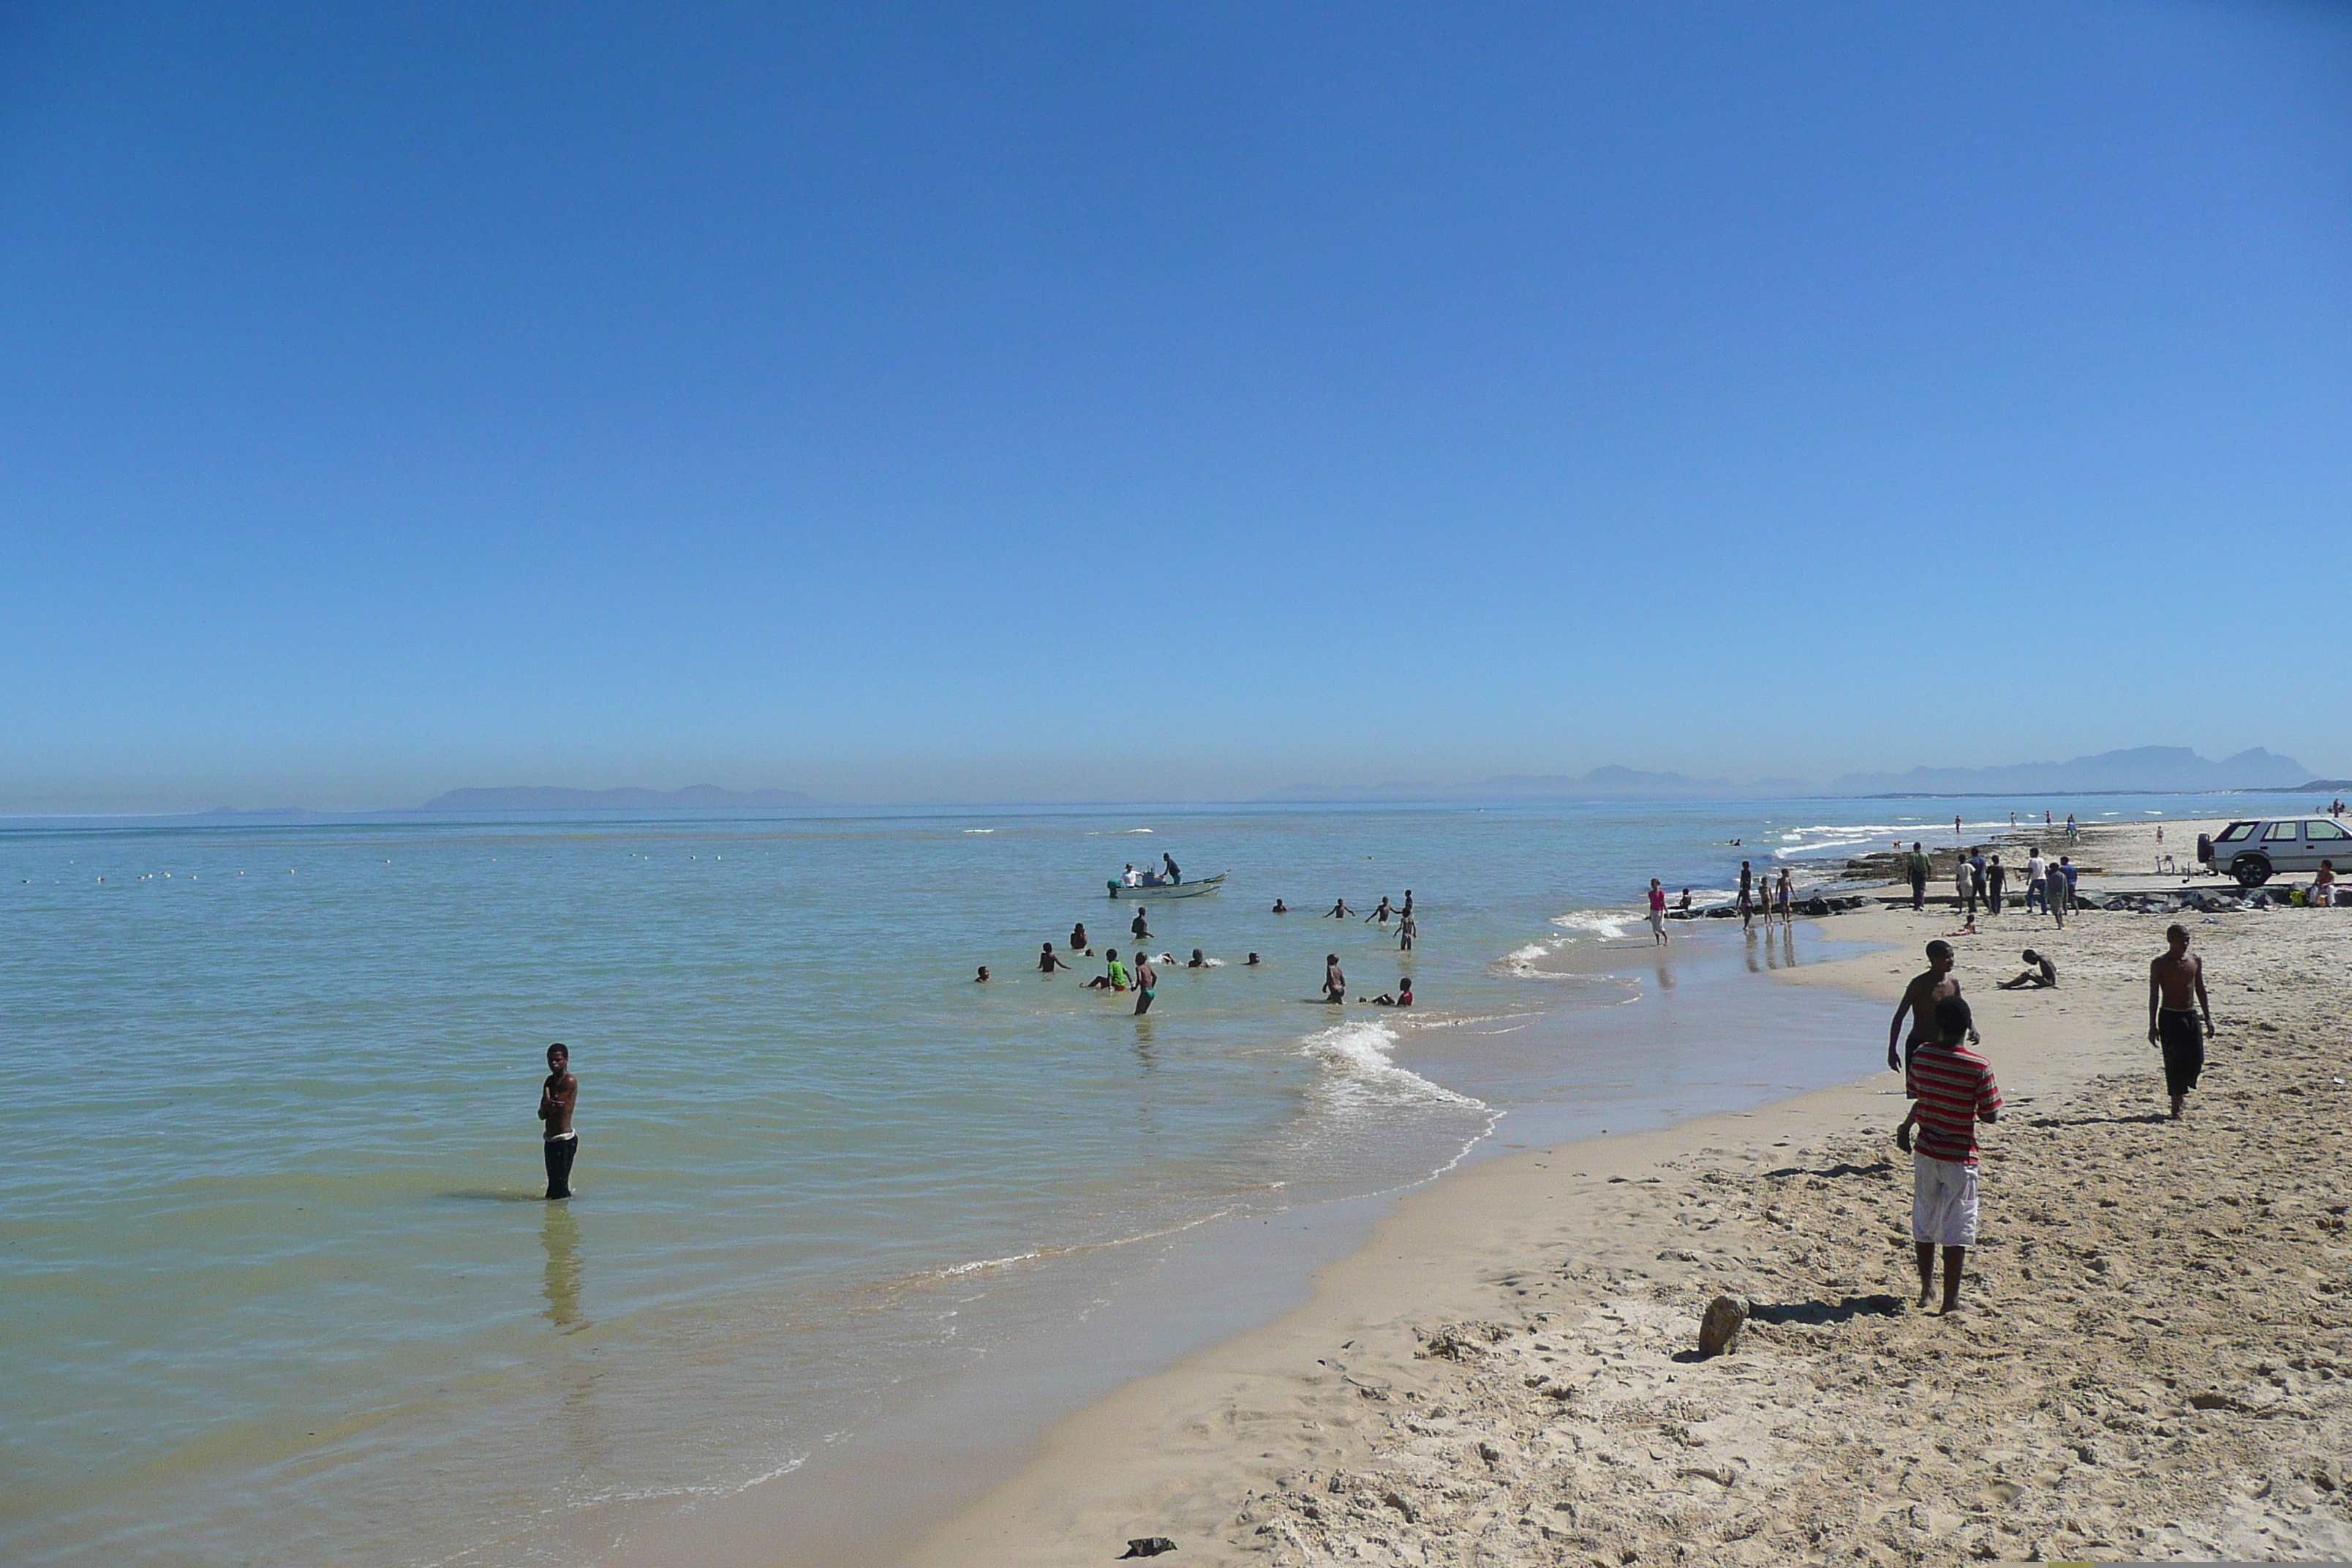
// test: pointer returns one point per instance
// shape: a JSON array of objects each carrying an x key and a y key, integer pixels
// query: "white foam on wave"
[
  {"x": 1362, "y": 1075},
  {"x": 980, "y": 830},
  {"x": 1606, "y": 925}
]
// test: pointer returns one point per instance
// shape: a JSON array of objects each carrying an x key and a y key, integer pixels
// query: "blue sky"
[{"x": 913, "y": 403}]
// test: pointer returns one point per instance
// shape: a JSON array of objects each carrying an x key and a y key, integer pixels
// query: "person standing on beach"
[
  {"x": 2176, "y": 980},
  {"x": 1746, "y": 896},
  {"x": 2037, "y": 880},
  {"x": 1964, "y": 881},
  {"x": 1785, "y": 896},
  {"x": 1657, "y": 913},
  {"x": 1917, "y": 864},
  {"x": 1996, "y": 873},
  {"x": 1335, "y": 979},
  {"x": 1952, "y": 1089},
  {"x": 1919, "y": 1000},
  {"x": 559, "y": 1096}
]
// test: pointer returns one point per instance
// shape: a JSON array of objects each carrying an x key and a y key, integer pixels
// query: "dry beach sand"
[{"x": 2154, "y": 1361}]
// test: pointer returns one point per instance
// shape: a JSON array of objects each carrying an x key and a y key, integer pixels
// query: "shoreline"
[
  {"x": 958, "y": 1439},
  {"x": 1223, "y": 1451}
]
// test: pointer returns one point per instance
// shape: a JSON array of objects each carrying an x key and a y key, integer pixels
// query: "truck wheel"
[{"x": 2251, "y": 870}]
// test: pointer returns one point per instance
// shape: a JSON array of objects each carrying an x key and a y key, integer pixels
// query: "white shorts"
[
  {"x": 1658, "y": 921},
  {"x": 1943, "y": 1202}
]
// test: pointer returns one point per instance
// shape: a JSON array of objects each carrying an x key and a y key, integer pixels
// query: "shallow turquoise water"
[{"x": 278, "y": 1288}]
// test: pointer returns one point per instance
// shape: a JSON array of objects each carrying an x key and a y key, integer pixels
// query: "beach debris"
[
  {"x": 1146, "y": 1546},
  {"x": 1718, "y": 1331}
]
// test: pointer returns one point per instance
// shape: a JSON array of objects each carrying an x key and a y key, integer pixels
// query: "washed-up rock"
[{"x": 1719, "y": 1329}]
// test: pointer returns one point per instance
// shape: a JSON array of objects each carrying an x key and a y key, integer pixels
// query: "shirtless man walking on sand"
[
  {"x": 2176, "y": 980},
  {"x": 1919, "y": 999}
]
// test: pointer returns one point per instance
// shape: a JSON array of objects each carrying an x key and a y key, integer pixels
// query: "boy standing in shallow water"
[
  {"x": 1954, "y": 1089},
  {"x": 558, "y": 1096}
]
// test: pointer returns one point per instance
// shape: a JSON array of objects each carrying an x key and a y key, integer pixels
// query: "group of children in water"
[{"x": 1141, "y": 975}]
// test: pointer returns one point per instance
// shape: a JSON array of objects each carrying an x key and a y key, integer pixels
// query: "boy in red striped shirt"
[{"x": 1954, "y": 1089}]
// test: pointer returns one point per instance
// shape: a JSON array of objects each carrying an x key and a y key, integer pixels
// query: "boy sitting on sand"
[
  {"x": 2041, "y": 975},
  {"x": 1952, "y": 1089}
]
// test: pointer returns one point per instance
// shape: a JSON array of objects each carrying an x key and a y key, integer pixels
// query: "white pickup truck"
[{"x": 2254, "y": 850}]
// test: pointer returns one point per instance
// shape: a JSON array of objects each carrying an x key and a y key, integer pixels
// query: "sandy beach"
[{"x": 2147, "y": 1364}]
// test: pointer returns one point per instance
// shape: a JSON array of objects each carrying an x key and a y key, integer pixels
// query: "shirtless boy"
[
  {"x": 558, "y": 1097},
  {"x": 2176, "y": 980},
  {"x": 1919, "y": 999}
]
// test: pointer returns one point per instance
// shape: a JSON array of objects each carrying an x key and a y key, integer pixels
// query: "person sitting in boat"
[
  {"x": 1174, "y": 876},
  {"x": 1130, "y": 878},
  {"x": 1403, "y": 998}
]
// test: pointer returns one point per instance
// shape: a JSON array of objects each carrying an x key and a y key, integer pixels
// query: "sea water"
[{"x": 279, "y": 1284}]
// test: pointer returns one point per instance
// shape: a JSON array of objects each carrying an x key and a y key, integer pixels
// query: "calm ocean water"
[{"x": 278, "y": 1288}]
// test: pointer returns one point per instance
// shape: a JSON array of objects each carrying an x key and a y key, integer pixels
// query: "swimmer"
[
  {"x": 1252, "y": 962},
  {"x": 1079, "y": 942},
  {"x": 1280, "y": 908},
  {"x": 1339, "y": 911},
  {"x": 1146, "y": 986},
  {"x": 1407, "y": 929},
  {"x": 1403, "y": 998},
  {"x": 1137, "y": 927},
  {"x": 1335, "y": 979},
  {"x": 1198, "y": 962},
  {"x": 1406, "y": 908},
  {"x": 1380, "y": 914},
  {"x": 1049, "y": 960},
  {"x": 1114, "y": 975}
]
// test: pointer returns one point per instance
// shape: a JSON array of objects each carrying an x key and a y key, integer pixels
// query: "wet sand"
[{"x": 2147, "y": 1366}]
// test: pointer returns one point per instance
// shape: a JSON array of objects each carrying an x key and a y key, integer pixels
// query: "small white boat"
[{"x": 1119, "y": 890}]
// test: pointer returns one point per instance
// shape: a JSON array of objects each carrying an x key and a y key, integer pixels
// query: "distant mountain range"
[
  {"x": 548, "y": 797},
  {"x": 2168, "y": 770},
  {"x": 2153, "y": 770}
]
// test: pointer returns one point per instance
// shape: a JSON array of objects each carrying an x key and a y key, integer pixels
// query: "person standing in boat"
[{"x": 1168, "y": 862}]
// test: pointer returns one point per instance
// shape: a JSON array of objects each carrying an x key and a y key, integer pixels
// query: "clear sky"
[{"x": 914, "y": 403}]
